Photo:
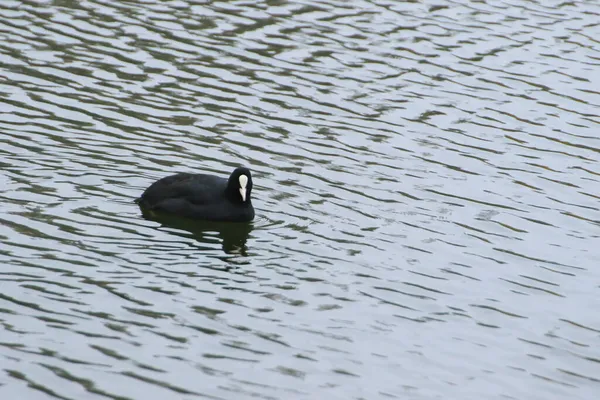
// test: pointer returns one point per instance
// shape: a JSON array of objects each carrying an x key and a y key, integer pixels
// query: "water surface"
[{"x": 426, "y": 186}]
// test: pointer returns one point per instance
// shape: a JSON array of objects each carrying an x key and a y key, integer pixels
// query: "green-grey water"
[{"x": 426, "y": 183}]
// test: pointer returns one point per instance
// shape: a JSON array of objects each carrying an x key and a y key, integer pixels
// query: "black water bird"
[{"x": 202, "y": 197}]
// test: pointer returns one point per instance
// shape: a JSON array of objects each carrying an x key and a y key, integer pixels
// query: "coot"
[{"x": 201, "y": 196}]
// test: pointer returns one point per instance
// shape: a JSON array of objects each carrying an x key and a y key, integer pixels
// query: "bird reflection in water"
[{"x": 233, "y": 235}]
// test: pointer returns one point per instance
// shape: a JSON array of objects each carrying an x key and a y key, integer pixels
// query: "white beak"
[{"x": 243, "y": 185}]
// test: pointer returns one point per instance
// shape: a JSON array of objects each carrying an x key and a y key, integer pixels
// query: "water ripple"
[{"x": 425, "y": 180}]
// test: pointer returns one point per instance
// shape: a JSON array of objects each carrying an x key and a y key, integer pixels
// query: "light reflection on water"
[{"x": 425, "y": 184}]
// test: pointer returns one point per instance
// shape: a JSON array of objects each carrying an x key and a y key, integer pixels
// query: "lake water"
[{"x": 426, "y": 182}]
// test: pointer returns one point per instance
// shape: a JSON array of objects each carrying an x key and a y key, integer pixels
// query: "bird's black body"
[{"x": 202, "y": 197}]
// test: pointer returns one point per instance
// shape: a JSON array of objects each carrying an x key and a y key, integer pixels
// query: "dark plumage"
[{"x": 201, "y": 196}]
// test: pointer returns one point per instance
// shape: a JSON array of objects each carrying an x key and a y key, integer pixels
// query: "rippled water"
[{"x": 426, "y": 187}]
